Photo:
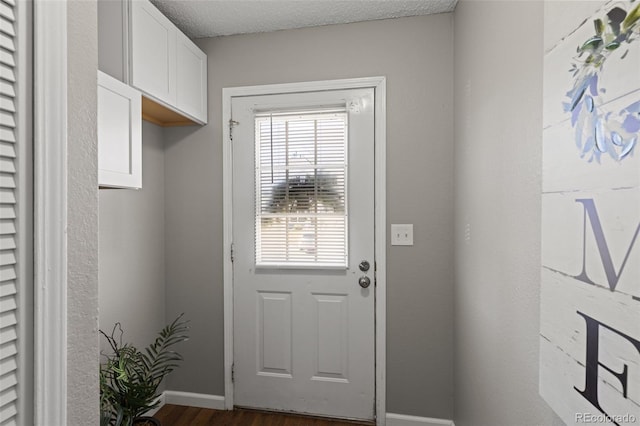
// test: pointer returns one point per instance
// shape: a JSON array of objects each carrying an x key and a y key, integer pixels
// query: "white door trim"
[
  {"x": 50, "y": 211},
  {"x": 379, "y": 85}
]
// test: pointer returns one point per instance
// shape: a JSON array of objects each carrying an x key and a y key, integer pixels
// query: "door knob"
[
  {"x": 364, "y": 282},
  {"x": 364, "y": 266}
]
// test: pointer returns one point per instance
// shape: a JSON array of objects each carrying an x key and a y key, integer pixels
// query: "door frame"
[
  {"x": 379, "y": 86},
  {"x": 50, "y": 210}
]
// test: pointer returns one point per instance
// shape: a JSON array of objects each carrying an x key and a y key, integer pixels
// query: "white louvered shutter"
[
  {"x": 15, "y": 215},
  {"x": 301, "y": 194}
]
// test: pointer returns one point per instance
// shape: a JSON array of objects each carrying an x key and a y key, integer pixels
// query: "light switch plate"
[{"x": 401, "y": 234}]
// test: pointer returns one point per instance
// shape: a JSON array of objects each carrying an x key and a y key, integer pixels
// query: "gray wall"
[
  {"x": 111, "y": 38},
  {"x": 132, "y": 272},
  {"x": 498, "y": 137},
  {"x": 416, "y": 56},
  {"x": 82, "y": 213}
]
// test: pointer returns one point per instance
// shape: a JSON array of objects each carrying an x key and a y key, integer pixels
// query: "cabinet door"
[
  {"x": 153, "y": 50},
  {"x": 191, "y": 79},
  {"x": 119, "y": 134}
]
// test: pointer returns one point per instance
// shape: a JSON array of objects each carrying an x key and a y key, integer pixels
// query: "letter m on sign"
[{"x": 591, "y": 218}]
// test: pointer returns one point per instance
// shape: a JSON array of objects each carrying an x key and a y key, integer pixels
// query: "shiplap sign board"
[{"x": 590, "y": 298}]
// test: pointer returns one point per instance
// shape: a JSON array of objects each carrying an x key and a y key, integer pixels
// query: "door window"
[{"x": 301, "y": 191}]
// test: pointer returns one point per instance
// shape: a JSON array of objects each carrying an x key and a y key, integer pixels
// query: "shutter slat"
[
  {"x": 7, "y": 89},
  {"x": 7, "y": 165},
  {"x": 8, "y": 318},
  {"x": 7, "y": 42},
  {"x": 7, "y": 57},
  {"x": 7, "y": 27},
  {"x": 7, "y": 227},
  {"x": 8, "y": 350},
  {"x": 8, "y": 336},
  {"x": 7, "y": 257},
  {"x": 7, "y": 212},
  {"x": 7, "y": 104},
  {"x": 7, "y": 136},
  {"x": 7, "y": 242},
  {"x": 7, "y": 150},
  {"x": 7, "y": 12},
  {"x": 7, "y": 288},
  {"x": 7, "y": 73},
  {"x": 7, "y": 180},
  {"x": 7, "y": 196},
  {"x": 8, "y": 398},
  {"x": 7, "y": 119},
  {"x": 10, "y": 411}
]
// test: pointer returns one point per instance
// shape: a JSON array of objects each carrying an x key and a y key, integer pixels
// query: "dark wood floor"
[{"x": 178, "y": 415}]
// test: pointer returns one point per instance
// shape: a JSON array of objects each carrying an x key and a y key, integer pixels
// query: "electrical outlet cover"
[{"x": 401, "y": 234}]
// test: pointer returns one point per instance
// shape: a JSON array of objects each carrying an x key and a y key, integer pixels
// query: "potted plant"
[{"x": 129, "y": 378}]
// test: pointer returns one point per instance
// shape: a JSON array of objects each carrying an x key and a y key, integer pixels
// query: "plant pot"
[{"x": 146, "y": 421}]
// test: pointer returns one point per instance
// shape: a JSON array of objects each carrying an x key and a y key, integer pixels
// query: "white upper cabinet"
[
  {"x": 119, "y": 134},
  {"x": 191, "y": 79},
  {"x": 165, "y": 64},
  {"x": 153, "y": 52}
]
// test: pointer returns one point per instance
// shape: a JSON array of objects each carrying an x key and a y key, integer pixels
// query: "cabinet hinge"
[
  {"x": 233, "y": 372},
  {"x": 232, "y": 252},
  {"x": 231, "y": 124}
]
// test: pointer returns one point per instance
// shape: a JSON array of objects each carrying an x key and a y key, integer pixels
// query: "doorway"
[{"x": 305, "y": 277}]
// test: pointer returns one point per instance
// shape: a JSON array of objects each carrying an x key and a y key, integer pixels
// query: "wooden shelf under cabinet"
[{"x": 156, "y": 113}]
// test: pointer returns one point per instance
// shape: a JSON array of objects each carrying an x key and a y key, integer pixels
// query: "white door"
[{"x": 303, "y": 223}]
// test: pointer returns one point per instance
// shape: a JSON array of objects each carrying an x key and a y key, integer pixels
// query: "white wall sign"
[{"x": 590, "y": 298}]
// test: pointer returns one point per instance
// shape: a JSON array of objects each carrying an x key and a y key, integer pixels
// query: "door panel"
[
  {"x": 274, "y": 333},
  {"x": 303, "y": 326},
  {"x": 331, "y": 316}
]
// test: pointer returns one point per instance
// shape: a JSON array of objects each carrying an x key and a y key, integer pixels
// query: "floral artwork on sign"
[{"x": 599, "y": 130}]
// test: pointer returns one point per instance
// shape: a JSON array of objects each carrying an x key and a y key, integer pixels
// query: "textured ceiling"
[{"x": 210, "y": 18}]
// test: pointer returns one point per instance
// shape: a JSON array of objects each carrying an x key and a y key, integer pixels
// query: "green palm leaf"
[{"x": 129, "y": 378}]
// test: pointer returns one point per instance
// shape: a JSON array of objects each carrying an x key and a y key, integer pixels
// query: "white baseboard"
[
  {"x": 200, "y": 400},
  {"x": 404, "y": 420}
]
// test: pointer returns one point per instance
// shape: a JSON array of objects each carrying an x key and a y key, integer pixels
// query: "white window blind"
[
  {"x": 301, "y": 191},
  {"x": 15, "y": 214}
]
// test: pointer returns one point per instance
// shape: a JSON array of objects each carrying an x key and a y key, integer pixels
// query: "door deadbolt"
[
  {"x": 364, "y": 266},
  {"x": 364, "y": 282}
]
